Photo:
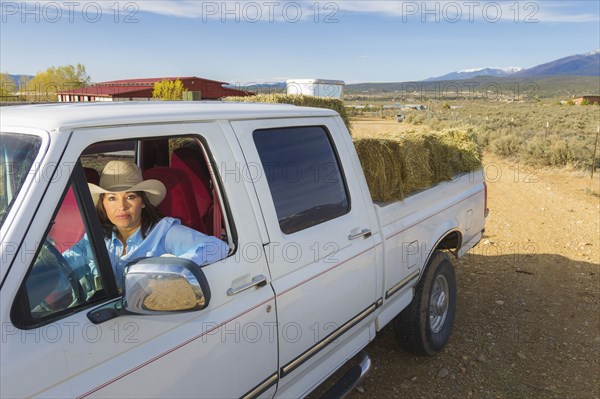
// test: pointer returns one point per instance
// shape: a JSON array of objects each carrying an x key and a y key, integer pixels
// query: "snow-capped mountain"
[
  {"x": 471, "y": 73},
  {"x": 587, "y": 64},
  {"x": 507, "y": 70}
]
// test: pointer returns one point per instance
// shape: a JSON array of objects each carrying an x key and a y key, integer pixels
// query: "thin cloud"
[
  {"x": 233, "y": 11},
  {"x": 175, "y": 8},
  {"x": 444, "y": 10},
  {"x": 554, "y": 11},
  {"x": 471, "y": 11},
  {"x": 464, "y": 11}
]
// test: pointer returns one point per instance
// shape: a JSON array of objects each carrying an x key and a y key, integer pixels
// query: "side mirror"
[{"x": 164, "y": 284}]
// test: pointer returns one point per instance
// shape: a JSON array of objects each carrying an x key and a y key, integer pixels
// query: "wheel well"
[{"x": 451, "y": 242}]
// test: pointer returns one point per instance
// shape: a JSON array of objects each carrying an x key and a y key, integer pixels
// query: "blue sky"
[{"x": 242, "y": 42}]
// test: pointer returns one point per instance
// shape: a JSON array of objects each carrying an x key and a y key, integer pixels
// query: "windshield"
[{"x": 17, "y": 153}]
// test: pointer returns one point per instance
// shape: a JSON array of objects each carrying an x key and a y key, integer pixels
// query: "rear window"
[
  {"x": 304, "y": 176},
  {"x": 17, "y": 153}
]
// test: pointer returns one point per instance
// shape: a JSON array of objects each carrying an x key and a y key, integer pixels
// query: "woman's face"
[{"x": 124, "y": 210}]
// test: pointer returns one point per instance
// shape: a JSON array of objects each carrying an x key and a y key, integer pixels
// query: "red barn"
[
  {"x": 141, "y": 89},
  {"x": 590, "y": 99}
]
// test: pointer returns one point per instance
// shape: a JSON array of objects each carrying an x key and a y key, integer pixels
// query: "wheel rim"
[{"x": 438, "y": 303}]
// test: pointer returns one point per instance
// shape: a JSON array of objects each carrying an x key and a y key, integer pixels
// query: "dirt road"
[{"x": 528, "y": 317}]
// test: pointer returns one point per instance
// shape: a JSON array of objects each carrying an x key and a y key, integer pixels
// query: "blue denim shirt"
[{"x": 168, "y": 236}]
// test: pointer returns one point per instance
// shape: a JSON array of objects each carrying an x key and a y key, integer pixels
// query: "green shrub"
[
  {"x": 535, "y": 152},
  {"x": 415, "y": 118},
  {"x": 559, "y": 152},
  {"x": 508, "y": 145}
]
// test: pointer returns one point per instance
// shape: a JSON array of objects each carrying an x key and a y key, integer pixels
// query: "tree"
[
  {"x": 23, "y": 80},
  {"x": 168, "y": 90},
  {"x": 585, "y": 102},
  {"x": 45, "y": 85},
  {"x": 7, "y": 85}
]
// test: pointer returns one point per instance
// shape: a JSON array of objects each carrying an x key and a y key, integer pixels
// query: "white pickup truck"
[{"x": 315, "y": 268}]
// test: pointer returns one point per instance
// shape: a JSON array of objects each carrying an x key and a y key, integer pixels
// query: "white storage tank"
[{"x": 316, "y": 87}]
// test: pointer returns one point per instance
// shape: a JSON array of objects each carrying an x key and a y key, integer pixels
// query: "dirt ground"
[{"x": 528, "y": 313}]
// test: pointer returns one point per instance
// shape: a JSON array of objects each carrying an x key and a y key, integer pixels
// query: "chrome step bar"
[{"x": 349, "y": 381}]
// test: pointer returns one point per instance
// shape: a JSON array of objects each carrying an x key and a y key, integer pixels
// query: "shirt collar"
[{"x": 134, "y": 239}]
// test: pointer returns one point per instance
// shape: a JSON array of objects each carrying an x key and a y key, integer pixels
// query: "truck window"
[
  {"x": 181, "y": 164},
  {"x": 64, "y": 276},
  {"x": 304, "y": 176},
  {"x": 17, "y": 153}
]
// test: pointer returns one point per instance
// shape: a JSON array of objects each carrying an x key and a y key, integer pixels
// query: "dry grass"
[{"x": 534, "y": 133}]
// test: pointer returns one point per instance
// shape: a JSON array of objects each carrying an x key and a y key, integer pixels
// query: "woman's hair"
[{"x": 150, "y": 216}]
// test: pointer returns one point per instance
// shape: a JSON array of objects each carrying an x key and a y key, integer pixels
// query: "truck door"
[
  {"x": 51, "y": 348},
  {"x": 321, "y": 251}
]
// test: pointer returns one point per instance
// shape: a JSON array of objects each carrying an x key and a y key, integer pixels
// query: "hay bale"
[
  {"x": 416, "y": 171},
  {"x": 399, "y": 163},
  {"x": 378, "y": 156},
  {"x": 394, "y": 166},
  {"x": 466, "y": 153},
  {"x": 299, "y": 100},
  {"x": 439, "y": 157}
]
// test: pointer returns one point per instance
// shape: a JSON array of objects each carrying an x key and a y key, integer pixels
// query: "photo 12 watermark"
[
  {"x": 252, "y": 332},
  {"x": 128, "y": 12},
  {"x": 269, "y": 11},
  {"x": 70, "y": 332},
  {"x": 69, "y": 11},
  {"x": 470, "y": 11}
]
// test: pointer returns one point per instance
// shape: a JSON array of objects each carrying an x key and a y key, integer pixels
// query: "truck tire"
[{"x": 425, "y": 325}]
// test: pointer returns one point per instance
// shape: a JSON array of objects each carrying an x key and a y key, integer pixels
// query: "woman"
[{"x": 133, "y": 228}]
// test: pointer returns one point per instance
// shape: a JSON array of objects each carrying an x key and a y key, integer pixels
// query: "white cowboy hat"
[{"x": 120, "y": 176}]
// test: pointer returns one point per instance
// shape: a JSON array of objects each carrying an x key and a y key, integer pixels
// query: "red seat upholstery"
[
  {"x": 68, "y": 227},
  {"x": 179, "y": 202},
  {"x": 192, "y": 163}
]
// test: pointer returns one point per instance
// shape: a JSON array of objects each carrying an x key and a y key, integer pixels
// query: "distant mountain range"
[
  {"x": 575, "y": 65},
  {"x": 568, "y": 69},
  {"x": 542, "y": 87},
  {"x": 473, "y": 73}
]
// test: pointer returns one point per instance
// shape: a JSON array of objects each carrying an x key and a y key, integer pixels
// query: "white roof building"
[{"x": 316, "y": 87}]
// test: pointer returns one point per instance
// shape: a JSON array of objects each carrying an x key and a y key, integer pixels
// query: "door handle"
[
  {"x": 258, "y": 281},
  {"x": 366, "y": 233}
]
